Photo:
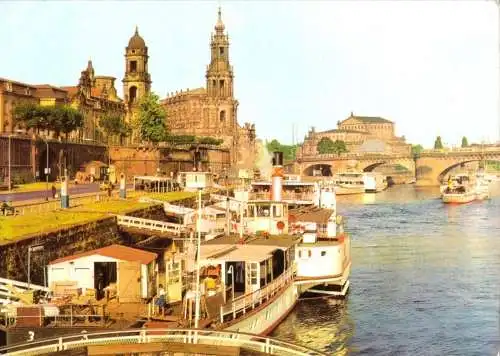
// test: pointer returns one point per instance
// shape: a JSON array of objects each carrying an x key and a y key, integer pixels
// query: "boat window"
[
  {"x": 323, "y": 253},
  {"x": 309, "y": 253},
  {"x": 277, "y": 211},
  {"x": 253, "y": 273},
  {"x": 300, "y": 253},
  {"x": 251, "y": 211}
]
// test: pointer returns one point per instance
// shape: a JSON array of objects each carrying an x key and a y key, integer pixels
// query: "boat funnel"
[{"x": 277, "y": 177}]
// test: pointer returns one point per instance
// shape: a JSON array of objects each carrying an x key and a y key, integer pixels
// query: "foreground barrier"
[{"x": 247, "y": 342}]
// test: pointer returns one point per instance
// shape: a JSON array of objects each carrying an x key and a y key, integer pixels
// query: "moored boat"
[
  {"x": 349, "y": 183},
  {"x": 374, "y": 182}
]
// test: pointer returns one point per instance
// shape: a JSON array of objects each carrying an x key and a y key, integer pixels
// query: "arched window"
[
  {"x": 222, "y": 116},
  {"x": 132, "y": 94}
]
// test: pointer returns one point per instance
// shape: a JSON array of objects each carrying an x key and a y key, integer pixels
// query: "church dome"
[{"x": 136, "y": 41}]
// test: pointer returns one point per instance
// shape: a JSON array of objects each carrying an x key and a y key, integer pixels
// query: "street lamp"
[
  {"x": 47, "y": 170},
  {"x": 198, "y": 248}
]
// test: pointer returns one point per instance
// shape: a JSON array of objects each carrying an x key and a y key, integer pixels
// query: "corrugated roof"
[{"x": 119, "y": 252}]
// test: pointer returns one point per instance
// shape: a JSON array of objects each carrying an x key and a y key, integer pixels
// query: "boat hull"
[
  {"x": 458, "y": 198},
  {"x": 264, "y": 319},
  {"x": 349, "y": 190}
]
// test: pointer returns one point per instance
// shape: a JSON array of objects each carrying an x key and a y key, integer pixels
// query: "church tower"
[
  {"x": 219, "y": 78},
  {"x": 137, "y": 80}
]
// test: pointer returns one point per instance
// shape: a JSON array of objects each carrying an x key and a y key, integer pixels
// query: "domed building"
[{"x": 361, "y": 134}]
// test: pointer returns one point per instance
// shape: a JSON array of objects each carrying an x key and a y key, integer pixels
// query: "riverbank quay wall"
[
  {"x": 28, "y": 157},
  {"x": 149, "y": 160},
  {"x": 71, "y": 240}
]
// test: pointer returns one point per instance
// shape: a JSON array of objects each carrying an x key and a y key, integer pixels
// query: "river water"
[{"x": 424, "y": 281}]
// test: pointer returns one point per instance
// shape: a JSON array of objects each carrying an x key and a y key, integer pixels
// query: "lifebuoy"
[{"x": 280, "y": 225}]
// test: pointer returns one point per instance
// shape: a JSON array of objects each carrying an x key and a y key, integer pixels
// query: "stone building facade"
[
  {"x": 212, "y": 110},
  {"x": 209, "y": 111},
  {"x": 362, "y": 134}
]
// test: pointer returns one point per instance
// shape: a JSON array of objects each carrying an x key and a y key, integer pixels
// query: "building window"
[
  {"x": 221, "y": 51},
  {"x": 222, "y": 116},
  {"x": 133, "y": 66},
  {"x": 221, "y": 84},
  {"x": 132, "y": 94}
]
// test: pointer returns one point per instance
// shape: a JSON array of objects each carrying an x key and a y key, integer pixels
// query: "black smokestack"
[{"x": 277, "y": 158}]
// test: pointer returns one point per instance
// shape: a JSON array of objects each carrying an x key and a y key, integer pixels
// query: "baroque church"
[{"x": 207, "y": 111}]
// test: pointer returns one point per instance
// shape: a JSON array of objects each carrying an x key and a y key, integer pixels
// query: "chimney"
[{"x": 277, "y": 177}]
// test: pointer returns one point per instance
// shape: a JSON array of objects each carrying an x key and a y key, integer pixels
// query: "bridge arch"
[
  {"x": 447, "y": 170},
  {"x": 325, "y": 170}
]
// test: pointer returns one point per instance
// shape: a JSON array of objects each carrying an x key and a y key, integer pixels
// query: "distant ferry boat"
[
  {"x": 374, "y": 182},
  {"x": 349, "y": 183}
]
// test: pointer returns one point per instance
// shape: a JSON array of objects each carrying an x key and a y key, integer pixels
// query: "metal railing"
[
  {"x": 153, "y": 225},
  {"x": 251, "y": 300},
  {"x": 284, "y": 196},
  {"x": 247, "y": 342},
  {"x": 74, "y": 201}
]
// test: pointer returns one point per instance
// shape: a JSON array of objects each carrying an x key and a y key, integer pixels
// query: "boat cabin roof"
[
  {"x": 284, "y": 183},
  {"x": 153, "y": 178},
  {"x": 311, "y": 214},
  {"x": 237, "y": 253},
  {"x": 278, "y": 241}
]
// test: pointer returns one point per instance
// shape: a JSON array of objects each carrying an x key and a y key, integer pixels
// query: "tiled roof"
[
  {"x": 71, "y": 90},
  {"x": 119, "y": 252},
  {"x": 16, "y": 82},
  {"x": 48, "y": 86}
]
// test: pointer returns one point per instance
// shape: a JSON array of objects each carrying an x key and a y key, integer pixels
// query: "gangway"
[
  {"x": 147, "y": 224},
  {"x": 11, "y": 290}
]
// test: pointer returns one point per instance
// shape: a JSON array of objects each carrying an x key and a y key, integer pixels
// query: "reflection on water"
[{"x": 425, "y": 279}]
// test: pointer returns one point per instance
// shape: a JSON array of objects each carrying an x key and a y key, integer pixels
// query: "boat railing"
[
  {"x": 154, "y": 225},
  {"x": 304, "y": 196},
  {"x": 248, "y": 302},
  {"x": 247, "y": 342}
]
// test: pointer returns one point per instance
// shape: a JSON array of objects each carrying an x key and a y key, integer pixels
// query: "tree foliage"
[
  {"x": 465, "y": 142},
  {"x": 326, "y": 145},
  {"x": 416, "y": 149},
  {"x": 114, "y": 125},
  {"x": 151, "y": 122},
  {"x": 289, "y": 151},
  {"x": 438, "y": 144},
  {"x": 60, "y": 119},
  {"x": 191, "y": 139}
]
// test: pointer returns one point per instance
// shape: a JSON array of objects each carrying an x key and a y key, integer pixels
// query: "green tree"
[
  {"x": 416, "y": 149},
  {"x": 339, "y": 147},
  {"x": 289, "y": 151},
  {"x": 114, "y": 125},
  {"x": 438, "y": 144},
  {"x": 465, "y": 142},
  {"x": 151, "y": 121},
  {"x": 58, "y": 118},
  {"x": 326, "y": 145}
]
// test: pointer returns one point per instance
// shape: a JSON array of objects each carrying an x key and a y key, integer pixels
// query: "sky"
[{"x": 429, "y": 66}]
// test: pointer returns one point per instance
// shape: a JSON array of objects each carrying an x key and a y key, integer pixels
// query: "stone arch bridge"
[{"x": 430, "y": 167}]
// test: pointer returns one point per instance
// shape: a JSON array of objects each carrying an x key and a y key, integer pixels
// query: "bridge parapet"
[{"x": 351, "y": 156}]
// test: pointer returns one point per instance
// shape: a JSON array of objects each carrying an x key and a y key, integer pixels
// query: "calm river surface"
[{"x": 424, "y": 280}]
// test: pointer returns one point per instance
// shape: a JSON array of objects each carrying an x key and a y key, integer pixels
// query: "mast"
[{"x": 198, "y": 248}]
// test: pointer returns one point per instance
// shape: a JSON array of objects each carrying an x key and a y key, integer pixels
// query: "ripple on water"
[{"x": 424, "y": 281}]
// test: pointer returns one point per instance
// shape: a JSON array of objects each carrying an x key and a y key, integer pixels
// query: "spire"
[
  {"x": 219, "y": 26},
  {"x": 136, "y": 30}
]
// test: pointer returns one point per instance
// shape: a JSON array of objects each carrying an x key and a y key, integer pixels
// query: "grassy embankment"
[{"x": 14, "y": 227}]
